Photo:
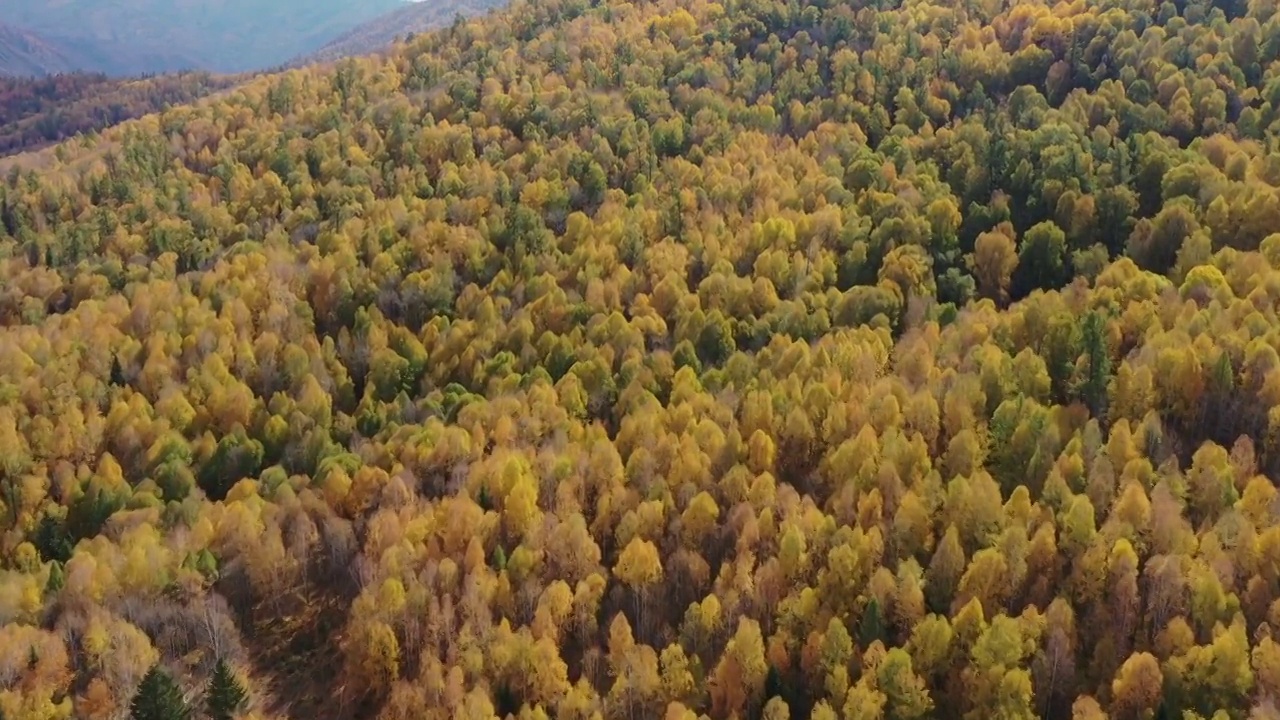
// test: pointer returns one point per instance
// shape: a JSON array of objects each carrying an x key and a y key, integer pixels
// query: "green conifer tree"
[
  {"x": 159, "y": 698},
  {"x": 872, "y": 626},
  {"x": 1094, "y": 390},
  {"x": 57, "y": 578},
  {"x": 117, "y": 373},
  {"x": 225, "y": 694}
]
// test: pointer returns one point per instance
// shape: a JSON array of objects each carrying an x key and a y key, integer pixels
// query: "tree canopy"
[{"x": 665, "y": 359}]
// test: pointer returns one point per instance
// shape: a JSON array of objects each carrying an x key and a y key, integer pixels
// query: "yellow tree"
[
  {"x": 993, "y": 260},
  {"x": 1137, "y": 687},
  {"x": 640, "y": 569},
  {"x": 738, "y": 680}
]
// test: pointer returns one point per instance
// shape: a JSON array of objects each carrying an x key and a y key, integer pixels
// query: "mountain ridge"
[
  {"x": 153, "y": 36},
  {"x": 381, "y": 32},
  {"x": 24, "y": 53}
]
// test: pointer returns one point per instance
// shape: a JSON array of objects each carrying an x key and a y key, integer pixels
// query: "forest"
[
  {"x": 610, "y": 360},
  {"x": 38, "y": 112}
]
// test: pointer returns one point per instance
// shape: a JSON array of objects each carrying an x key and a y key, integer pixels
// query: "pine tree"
[
  {"x": 57, "y": 578},
  {"x": 872, "y": 627},
  {"x": 225, "y": 694},
  {"x": 52, "y": 540},
  {"x": 1094, "y": 390},
  {"x": 159, "y": 698},
  {"x": 117, "y": 373}
]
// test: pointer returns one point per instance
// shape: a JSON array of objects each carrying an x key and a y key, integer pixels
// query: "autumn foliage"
[{"x": 665, "y": 360}]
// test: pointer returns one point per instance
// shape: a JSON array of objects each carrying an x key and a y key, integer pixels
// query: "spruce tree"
[
  {"x": 159, "y": 698},
  {"x": 57, "y": 578},
  {"x": 117, "y": 373},
  {"x": 872, "y": 627},
  {"x": 225, "y": 694},
  {"x": 1094, "y": 390}
]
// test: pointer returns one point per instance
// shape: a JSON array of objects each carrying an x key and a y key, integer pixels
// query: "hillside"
[
  {"x": 35, "y": 112},
  {"x": 25, "y": 54},
  {"x": 381, "y": 32},
  {"x": 135, "y": 37},
  {"x": 602, "y": 360}
]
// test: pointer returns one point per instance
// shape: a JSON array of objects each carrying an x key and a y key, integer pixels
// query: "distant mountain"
[
  {"x": 24, "y": 53},
  {"x": 131, "y": 37},
  {"x": 381, "y": 32}
]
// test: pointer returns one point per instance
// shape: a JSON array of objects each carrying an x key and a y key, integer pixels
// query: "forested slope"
[
  {"x": 39, "y": 111},
  {"x": 669, "y": 359}
]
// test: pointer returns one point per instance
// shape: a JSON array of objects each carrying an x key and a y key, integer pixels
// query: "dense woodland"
[
  {"x": 35, "y": 112},
  {"x": 666, "y": 359}
]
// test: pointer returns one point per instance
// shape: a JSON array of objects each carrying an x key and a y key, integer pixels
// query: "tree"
[
  {"x": 776, "y": 709},
  {"x": 225, "y": 695},
  {"x": 997, "y": 684},
  {"x": 871, "y": 626},
  {"x": 1137, "y": 688},
  {"x": 993, "y": 261},
  {"x": 1209, "y": 677},
  {"x": 865, "y": 702},
  {"x": 1041, "y": 259},
  {"x": 738, "y": 680},
  {"x": 159, "y": 698},
  {"x": 945, "y": 569},
  {"x": 236, "y": 457},
  {"x": 372, "y": 655},
  {"x": 117, "y": 373},
  {"x": 1086, "y": 708},
  {"x": 57, "y": 578},
  {"x": 1098, "y": 376},
  {"x": 1266, "y": 668},
  {"x": 1154, "y": 244},
  {"x": 908, "y": 697},
  {"x": 836, "y": 651},
  {"x": 640, "y": 568}
]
